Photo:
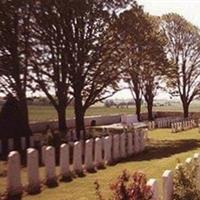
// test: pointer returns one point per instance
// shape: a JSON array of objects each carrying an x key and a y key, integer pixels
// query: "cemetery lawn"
[
  {"x": 163, "y": 152},
  {"x": 43, "y": 113}
]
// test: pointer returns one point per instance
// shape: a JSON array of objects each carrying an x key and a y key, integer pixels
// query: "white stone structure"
[
  {"x": 116, "y": 150},
  {"x": 33, "y": 171},
  {"x": 50, "y": 165},
  {"x": 154, "y": 187},
  {"x": 107, "y": 150},
  {"x": 136, "y": 139},
  {"x": 167, "y": 178},
  {"x": 88, "y": 162},
  {"x": 123, "y": 152},
  {"x": 98, "y": 158},
  {"x": 130, "y": 144},
  {"x": 14, "y": 185},
  {"x": 77, "y": 158},
  {"x": 64, "y": 161}
]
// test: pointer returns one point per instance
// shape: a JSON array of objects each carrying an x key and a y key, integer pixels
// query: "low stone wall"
[{"x": 100, "y": 120}]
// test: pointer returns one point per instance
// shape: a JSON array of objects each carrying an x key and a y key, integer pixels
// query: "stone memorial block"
[
  {"x": 50, "y": 165},
  {"x": 167, "y": 178},
  {"x": 89, "y": 165},
  {"x": 116, "y": 150},
  {"x": 33, "y": 171},
  {"x": 130, "y": 144},
  {"x": 108, "y": 150},
  {"x": 77, "y": 158},
  {"x": 14, "y": 185},
  {"x": 123, "y": 152},
  {"x": 98, "y": 158},
  {"x": 136, "y": 141},
  {"x": 64, "y": 162},
  {"x": 154, "y": 187}
]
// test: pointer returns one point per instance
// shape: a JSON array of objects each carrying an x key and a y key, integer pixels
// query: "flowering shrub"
[
  {"x": 128, "y": 187},
  {"x": 186, "y": 183}
]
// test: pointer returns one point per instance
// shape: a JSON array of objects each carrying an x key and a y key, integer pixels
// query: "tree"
[
  {"x": 15, "y": 51},
  {"x": 48, "y": 61},
  {"x": 144, "y": 58},
  {"x": 183, "y": 50},
  {"x": 91, "y": 54}
]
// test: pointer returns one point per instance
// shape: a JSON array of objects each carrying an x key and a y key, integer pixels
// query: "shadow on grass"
[{"x": 166, "y": 148}]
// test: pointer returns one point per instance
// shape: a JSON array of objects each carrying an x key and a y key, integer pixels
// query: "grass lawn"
[
  {"x": 42, "y": 113},
  {"x": 162, "y": 153}
]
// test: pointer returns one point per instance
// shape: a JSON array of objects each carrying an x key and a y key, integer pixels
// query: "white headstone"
[
  {"x": 50, "y": 164},
  {"x": 154, "y": 187},
  {"x": 123, "y": 153},
  {"x": 116, "y": 150},
  {"x": 142, "y": 140},
  {"x": 77, "y": 158},
  {"x": 33, "y": 171},
  {"x": 108, "y": 150},
  {"x": 130, "y": 144},
  {"x": 167, "y": 185},
  {"x": 89, "y": 165},
  {"x": 64, "y": 161},
  {"x": 14, "y": 185},
  {"x": 136, "y": 141},
  {"x": 98, "y": 158}
]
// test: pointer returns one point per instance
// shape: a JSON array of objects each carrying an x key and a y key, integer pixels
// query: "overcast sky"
[{"x": 189, "y": 9}]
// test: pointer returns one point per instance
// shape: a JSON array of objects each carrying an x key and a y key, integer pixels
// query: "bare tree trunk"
[
  {"x": 185, "y": 110},
  {"x": 138, "y": 109},
  {"x": 150, "y": 110},
  {"x": 25, "y": 117},
  {"x": 79, "y": 114},
  {"x": 62, "y": 127}
]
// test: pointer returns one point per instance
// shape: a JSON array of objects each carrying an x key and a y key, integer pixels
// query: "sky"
[{"x": 189, "y": 9}]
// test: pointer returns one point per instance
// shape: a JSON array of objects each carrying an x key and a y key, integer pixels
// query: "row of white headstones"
[
  {"x": 182, "y": 126},
  {"x": 167, "y": 179},
  {"x": 162, "y": 122},
  {"x": 106, "y": 150}
]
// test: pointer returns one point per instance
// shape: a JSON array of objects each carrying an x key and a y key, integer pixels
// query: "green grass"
[
  {"x": 42, "y": 113},
  {"x": 163, "y": 151}
]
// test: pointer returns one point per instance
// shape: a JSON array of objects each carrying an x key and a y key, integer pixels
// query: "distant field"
[{"x": 42, "y": 113}]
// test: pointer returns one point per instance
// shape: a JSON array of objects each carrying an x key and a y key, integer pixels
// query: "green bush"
[{"x": 186, "y": 183}]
